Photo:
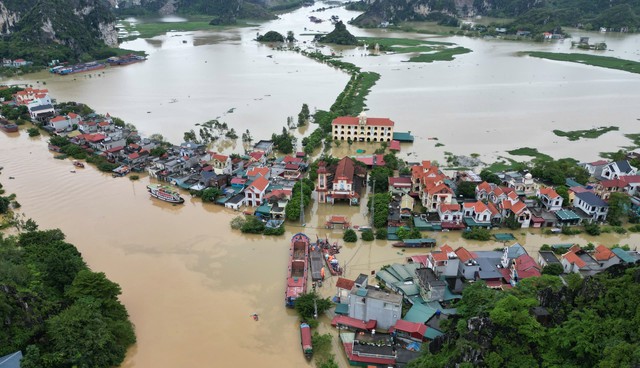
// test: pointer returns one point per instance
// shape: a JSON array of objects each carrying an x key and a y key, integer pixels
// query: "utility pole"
[
  {"x": 301, "y": 205},
  {"x": 373, "y": 203}
]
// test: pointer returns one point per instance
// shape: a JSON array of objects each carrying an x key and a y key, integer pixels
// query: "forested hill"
[
  {"x": 41, "y": 30},
  {"x": 590, "y": 322},
  {"x": 615, "y": 14}
]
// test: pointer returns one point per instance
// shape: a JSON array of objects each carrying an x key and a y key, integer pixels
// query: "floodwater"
[
  {"x": 487, "y": 102},
  {"x": 188, "y": 281}
]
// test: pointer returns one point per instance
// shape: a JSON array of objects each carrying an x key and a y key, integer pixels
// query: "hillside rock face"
[{"x": 64, "y": 22}]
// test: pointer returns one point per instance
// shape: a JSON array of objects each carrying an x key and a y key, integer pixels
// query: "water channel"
[{"x": 188, "y": 281}]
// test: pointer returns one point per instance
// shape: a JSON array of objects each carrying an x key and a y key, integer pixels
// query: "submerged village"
[{"x": 389, "y": 317}]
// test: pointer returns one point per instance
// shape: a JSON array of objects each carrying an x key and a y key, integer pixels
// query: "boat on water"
[
  {"x": 329, "y": 252},
  {"x": 79, "y": 68},
  {"x": 305, "y": 340},
  {"x": 8, "y": 126},
  {"x": 415, "y": 243},
  {"x": 297, "y": 271},
  {"x": 120, "y": 171},
  {"x": 125, "y": 60},
  {"x": 165, "y": 193},
  {"x": 78, "y": 164}
]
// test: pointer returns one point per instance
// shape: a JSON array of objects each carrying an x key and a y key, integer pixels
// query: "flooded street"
[{"x": 189, "y": 282}]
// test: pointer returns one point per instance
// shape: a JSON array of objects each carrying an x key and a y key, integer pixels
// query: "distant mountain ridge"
[
  {"x": 615, "y": 14},
  {"x": 255, "y": 9}
]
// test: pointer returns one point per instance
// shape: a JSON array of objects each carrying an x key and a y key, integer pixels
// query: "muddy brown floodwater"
[{"x": 189, "y": 282}]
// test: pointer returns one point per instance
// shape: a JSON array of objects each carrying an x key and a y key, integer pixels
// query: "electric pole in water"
[
  {"x": 373, "y": 202},
  {"x": 301, "y": 205}
]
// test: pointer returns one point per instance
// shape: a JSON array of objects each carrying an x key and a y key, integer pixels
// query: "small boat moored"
[
  {"x": 78, "y": 164},
  {"x": 165, "y": 193},
  {"x": 305, "y": 340},
  {"x": 415, "y": 243}
]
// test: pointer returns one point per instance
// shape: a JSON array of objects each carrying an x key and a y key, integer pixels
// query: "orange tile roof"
[
  {"x": 449, "y": 207},
  {"x": 573, "y": 258},
  {"x": 464, "y": 255},
  {"x": 219, "y": 157},
  {"x": 603, "y": 253},
  {"x": 58, "y": 118},
  {"x": 484, "y": 186},
  {"x": 446, "y": 248},
  {"x": 493, "y": 209},
  {"x": 260, "y": 184},
  {"x": 258, "y": 170},
  {"x": 439, "y": 256},
  {"x": 343, "y": 283},
  {"x": 549, "y": 192},
  {"x": 515, "y": 207},
  {"x": 477, "y": 206}
]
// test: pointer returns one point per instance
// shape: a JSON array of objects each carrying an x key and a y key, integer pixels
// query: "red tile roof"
[
  {"x": 219, "y": 157},
  {"x": 394, "y": 146},
  {"x": 352, "y": 120},
  {"x": 353, "y": 322},
  {"x": 439, "y": 256},
  {"x": 573, "y": 258},
  {"x": 258, "y": 171},
  {"x": 464, "y": 255},
  {"x": 603, "y": 253},
  {"x": 484, "y": 186},
  {"x": 260, "y": 184},
  {"x": 410, "y": 327},
  {"x": 368, "y": 160},
  {"x": 449, "y": 207},
  {"x": 58, "y": 118},
  {"x": 345, "y": 170},
  {"x": 477, "y": 206},
  {"x": 256, "y": 155},
  {"x": 549, "y": 192},
  {"x": 525, "y": 262},
  {"x": 343, "y": 283},
  {"x": 400, "y": 182}
]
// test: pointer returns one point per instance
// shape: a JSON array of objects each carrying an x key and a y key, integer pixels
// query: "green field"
[
  {"x": 575, "y": 135},
  {"x": 440, "y": 55},
  {"x": 593, "y": 60},
  {"x": 152, "y": 29}
]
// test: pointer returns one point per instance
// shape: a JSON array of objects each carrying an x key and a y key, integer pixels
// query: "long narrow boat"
[
  {"x": 305, "y": 340},
  {"x": 297, "y": 271},
  {"x": 329, "y": 252},
  {"x": 415, "y": 243},
  {"x": 165, "y": 193}
]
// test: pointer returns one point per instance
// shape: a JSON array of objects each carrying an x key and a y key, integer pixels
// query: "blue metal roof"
[
  {"x": 11, "y": 361},
  {"x": 591, "y": 199}
]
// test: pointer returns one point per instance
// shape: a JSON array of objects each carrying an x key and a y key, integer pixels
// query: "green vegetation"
[
  {"x": 367, "y": 235},
  {"x": 528, "y": 151},
  {"x": 252, "y": 225},
  {"x": 306, "y": 305},
  {"x": 477, "y": 233},
  {"x": 618, "y": 205},
  {"x": 408, "y": 233},
  {"x": 134, "y": 177},
  {"x": 575, "y": 135},
  {"x": 380, "y": 210},
  {"x": 553, "y": 269},
  {"x": 33, "y": 132},
  {"x": 303, "y": 115},
  {"x": 594, "y": 60},
  {"x": 55, "y": 309},
  {"x": 292, "y": 209},
  {"x": 380, "y": 175},
  {"x": 211, "y": 194},
  {"x": 381, "y": 234},
  {"x": 271, "y": 36},
  {"x": 467, "y": 189},
  {"x": 285, "y": 142},
  {"x": 442, "y": 55},
  {"x": 592, "y": 323},
  {"x": 350, "y": 236},
  {"x": 429, "y": 50},
  {"x": 339, "y": 36}
]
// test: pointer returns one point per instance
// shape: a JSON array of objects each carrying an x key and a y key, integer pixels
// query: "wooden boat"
[
  {"x": 329, "y": 252},
  {"x": 78, "y": 164},
  {"x": 165, "y": 193},
  {"x": 415, "y": 243},
  {"x": 305, "y": 340},
  {"x": 8, "y": 126},
  {"x": 297, "y": 271}
]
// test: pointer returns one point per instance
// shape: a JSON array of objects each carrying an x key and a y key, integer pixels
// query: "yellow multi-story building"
[{"x": 362, "y": 129}]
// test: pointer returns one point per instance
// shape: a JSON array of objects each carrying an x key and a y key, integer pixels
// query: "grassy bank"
[
  {"x": 575, "y": 135},
  {"x": 593, "y": 60},
  {"x": 430, "y": 51}
]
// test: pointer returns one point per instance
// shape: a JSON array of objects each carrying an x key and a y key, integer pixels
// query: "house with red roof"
[
  {"x": 399, "y": 185},
  {"x": 342, "y": 182},
  {"x": 429, "y": 184},
  {"x": 451, "y": 213},
  {"x": 517, "y": 208},
  {"x": 576, "y": 260},
  {"x": 60, "y": 123},
  {"x": 551, "y": 200},
  {"x": 255, "y": 172},
  {"x": 221, "y": 163},
  {"x": 362, "y": 129},
  {"x": 255, "y": 192},
  {"x": 522, "y": 267},
  {"x": 605, "y": 257},
  {"x": 258, "y": 156},
  {"x": 476, "y": 214},
  {"x": 443, "y": 261}
]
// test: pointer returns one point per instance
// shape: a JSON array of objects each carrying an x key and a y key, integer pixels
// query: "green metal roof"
[
  {"x": 473, "y": 223},
  {"x": 403, "y": 137},
  {"x": 623, "y": 255},
  {"x": 572, "y": 183},
  {"x": 407, "y": 290},
  {"x": 264, "y": 209},
  {"x": 361, "y": 292},
  {"x": 342, "y": 308},
  {"x": 420, "y": 241},
  {"x": 567, "y": 215},
  {"x": 448, "y": 295},
  {"x": 402, "y": 272},
  {"x": 391, "y": 233},
  {"x": 387, "y": 277},
  {"x": 419, "y": 313},
  {"x": 432, "y": 333}
]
